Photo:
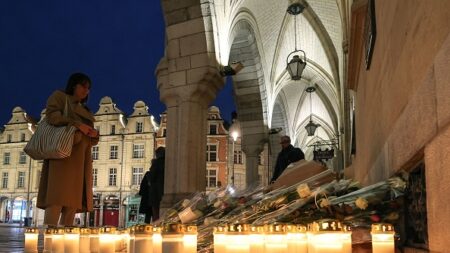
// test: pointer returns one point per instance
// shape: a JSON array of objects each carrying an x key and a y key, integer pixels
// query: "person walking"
[
  {"x": 152, "y": 187},
  {"x": 65, "y": 187},
  {"x": 287, "y": 155}
]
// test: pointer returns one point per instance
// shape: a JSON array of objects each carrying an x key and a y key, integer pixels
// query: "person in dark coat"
[
  {"x": 287, "y": 155},
  {"x": 152, "y": 187}
]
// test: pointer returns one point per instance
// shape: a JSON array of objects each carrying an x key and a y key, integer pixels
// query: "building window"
[
  {"x": 21, "y": 180},
  {"x": 113, "y": 129},
  {"x": 211, "y": 153},
  {"x": 22, "y": 158},
  {"x": 139, "y": 127},
  {"x": 9, "y": 138},
  {"x": 94, "y": 177},
  {"x": 138, "y": 174},
  {"x": 237, "y": 157},
  {"x": 5, "y": 176},
  {"x": 211, "y": 178},
  {"x": 22, "y": 137},
  {"x": 260, "y": 159},
  {"x": 95, "y": 153},
  {"x": 112, "y": 179},
  {"x": 164, "y": 132},
  {"x": 212, "y": 129},
  {"x": 138, "y": 150},
  {"x": 113, "y": 152},
  {"x": 6, "y": 158}
]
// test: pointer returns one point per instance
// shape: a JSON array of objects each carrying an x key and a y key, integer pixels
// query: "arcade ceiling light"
[
  {"x": 311, "y": 126},
  {"x": 296, "y": 60}
]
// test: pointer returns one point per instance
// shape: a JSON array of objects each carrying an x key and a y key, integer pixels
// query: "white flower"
[
  {"x": 303, "y": 191},
  {"x": 361, "y": 203}
]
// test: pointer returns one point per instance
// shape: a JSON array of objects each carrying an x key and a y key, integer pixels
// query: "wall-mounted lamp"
[{"x": 232, "y": 69}]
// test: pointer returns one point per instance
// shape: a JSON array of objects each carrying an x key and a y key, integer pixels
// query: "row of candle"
[
  {"x": 173, "y": 238},
  {"x": 325, "y": 236}
]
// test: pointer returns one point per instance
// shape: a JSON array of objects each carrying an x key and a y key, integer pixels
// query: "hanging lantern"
[
  {"x": 58, "y": 241},
  {"x": 85, "y": 240},
  {"x": 143, "y": 238},
  {"x": 256, "y": 238},
  {"x": 297, "y": 241},
  {"x": 311, "y": 126},
  {"x": 327, "y": 236},
  {"x": 296, "y": 64},
  {"x": 48, "y": 236},
  {"x": 107, "y": 240},
  {"x": 275, "y": 238},
  {"x": 383, "y": 238},
  {"x": 219, "y": 239},
  {"x": 94, "y": 240},
  {"x": 157, "y": 240},
  {"x": 71, "y": 240},
  {"x": 31, "y": 240},
  {"x": 236, "y": 239}
]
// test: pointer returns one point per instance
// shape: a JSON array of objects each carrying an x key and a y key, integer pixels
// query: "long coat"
[
  {"x": 68, "y": 182},
  {"x": 286, "y": 156},
  {"x": 152, "y": 186}
]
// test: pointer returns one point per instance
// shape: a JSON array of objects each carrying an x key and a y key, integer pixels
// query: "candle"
[
  {"x": 219, "y": 239},
  {"x": 118, "y": 243},
  {"x": 256, "y": 238},
  {"x": 347, "y": 240},
  {"x": 94, "y": 240},
  {"x": 72, "y": 240},
  {"x": 85, "y": 240},
  {"x": 31, "y": 240},
  {"x": 143, "y": 239},
  {"x": 58, "y": 241},
  {"x": 157, "y": 240},
  {"x": 275, "y": 238},
  {"x": 172, "y": 238},
  {"x": 297, "y": 241},
  {"x": 327, "y": 236},
  {"x": 48, "y": 235},
  {"x": 237, "y": 238},
  {"x": 130, "y": 244},
  {"x": 383, "y": 238},
  {"x": 107, "y": 240},
  {"x": 190, "y": 239}
]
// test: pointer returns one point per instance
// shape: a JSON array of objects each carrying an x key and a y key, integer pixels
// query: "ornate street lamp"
[
  {"x": 311, "y": 126},
  {"x": 296, "y": 60}
]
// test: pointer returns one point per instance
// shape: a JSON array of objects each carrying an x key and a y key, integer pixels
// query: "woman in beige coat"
[{"x": 65, "y": 187}]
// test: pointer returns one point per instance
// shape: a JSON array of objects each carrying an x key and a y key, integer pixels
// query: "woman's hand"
[{"x": 87, "y": 130}]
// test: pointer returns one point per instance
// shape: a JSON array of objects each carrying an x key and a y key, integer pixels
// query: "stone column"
[
  {"x": 252, "y": 152},
  {"x": 187, "y": 109}
]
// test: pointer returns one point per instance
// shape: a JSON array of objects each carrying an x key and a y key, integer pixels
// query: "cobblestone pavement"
[{"x": 12, "y": 239}]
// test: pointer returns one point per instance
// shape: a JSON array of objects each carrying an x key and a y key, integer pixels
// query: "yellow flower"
[
  {"x": 324, "y": 203},
  {"x": 361, "y": 203},
  {"x": 303, "y": 191}
]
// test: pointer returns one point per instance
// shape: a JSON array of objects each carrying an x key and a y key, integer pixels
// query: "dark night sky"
[{"x": 117, "y": 43}]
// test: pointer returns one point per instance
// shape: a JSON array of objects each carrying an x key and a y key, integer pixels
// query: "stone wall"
[{"x": 400, "y": 101}]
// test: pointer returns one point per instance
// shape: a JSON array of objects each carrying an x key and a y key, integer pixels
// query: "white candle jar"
[
  {"x": 31, "y": 240},
  {"x": 237, "y": 238},
  {"x": 48, "y": 236},
  {"x": 219, "y": 239},
  {"x": 256, "y": 237},
  {"x": 383, "y": 238},
  {"x": 71, "y": 240},
  {"x": 179, "y": 238},
  {"x": 94, "y": 240},
  {"x": 297, "y": 240},
  {"x": 130, "y": 244},
  {"x": 275, "y": 238},
  {"x": 107, "y": 240},
  {"x": 143, "y": 241},
  {"x": 85, "y": 240},
  {"x": 326, "y": 236},
  {"x": 157, "y": 240},
  {"x": 58, "y": 240}
]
